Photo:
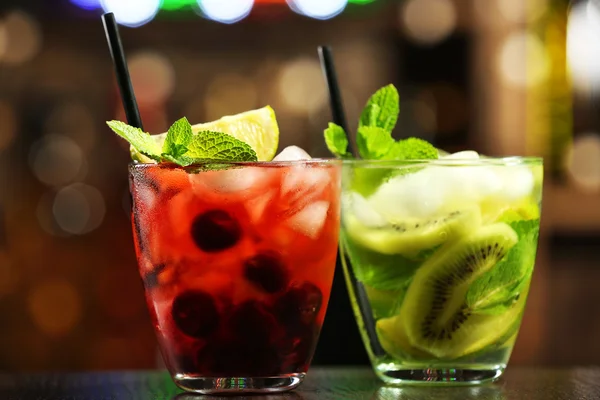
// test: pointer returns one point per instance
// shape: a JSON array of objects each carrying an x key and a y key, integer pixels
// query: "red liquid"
[{"x": 237, "y": 264}]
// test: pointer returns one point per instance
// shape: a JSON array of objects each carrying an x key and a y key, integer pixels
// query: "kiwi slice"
[
  {"x": 393, "y": 339},
  {"x": 410, "y": 237},
  {"x": 434, "y": 313}
]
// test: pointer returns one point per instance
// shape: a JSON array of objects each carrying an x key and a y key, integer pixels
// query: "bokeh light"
[
  {"x": 301, "y": 87},
  {"x": 75, "y": 121},
  {"x": 132, "y": 13},
  {"x": 57, "y": 160},
  {"x": 78, "y": 208},
  {"x": 87, "y": 4},
  {"x": 176, "y": 4},
  {"x": 152, "y": 76},
  {"x": 428, "y": 21},
  {"x": 583, "y": 161},
  {"x": 521, "y": 11},
  {"x": 8, "y": 124},
  {"x": 229, "y": 94},
  {"x": 583, "y": 53},
  {"x": 9, "y": 275},
  {"x": 44, "y": 215},
  {"x": 226, "y": 11},
  {"x": 318, "y": 9},
  {"x": 55, "y": 307},
  {"x": 20, "y": 38},
  {"x": 523, "y": 61}
]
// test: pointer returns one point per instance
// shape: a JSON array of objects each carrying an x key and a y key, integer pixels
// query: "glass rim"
[
  {"x": 451, "y": 162},
  {"x": 291, "y": 163}
]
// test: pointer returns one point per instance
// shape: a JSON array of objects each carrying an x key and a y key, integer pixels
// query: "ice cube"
[
  {"x": 229, "y": 180},
  {"x": 518, "y": 182},
  {"x": 463, "y": 155},
  {"x": 415, "y": 195},
  {"x": 471, "y": 183},
  {"x": 292, "y": 153},
  {"x": 256, "y": 206},
  {"x": 356, "y": 205},
  {"x": 311, "y": 219},
  {"x": 304, "y": 181},
  {"x": 486, "y": 182}
]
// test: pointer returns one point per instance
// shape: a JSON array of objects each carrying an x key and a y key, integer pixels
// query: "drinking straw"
[
  {"x": 339, "y": 117},
  {"x": 122, "y": 72},
  {"x": 335, "y": 95}
]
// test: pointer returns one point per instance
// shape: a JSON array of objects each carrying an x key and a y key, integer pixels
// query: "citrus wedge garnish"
[{"x": 257, "y": 128}]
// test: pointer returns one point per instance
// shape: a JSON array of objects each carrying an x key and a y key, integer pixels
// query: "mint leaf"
[
  {"x": 382, "y": 109},
  {"x": 412, "y": 149},
  {"x": 496, "y": 290},
  {"x": 181, "y": 160},
  {"x": 380, "y": 271},
  {"x": 337, "y": 141},
  {"x": 208, "y": 145},
  {"x": 373, "y": 142},
  {"x": 371, "y": 114},
  {"x": 178, "y": 138},
  {"x": 139, "y": 139}
]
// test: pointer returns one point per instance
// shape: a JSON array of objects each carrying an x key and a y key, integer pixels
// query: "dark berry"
[
  {"x": 299, "y": 305},
  {"x": 252, "y": 324},
  {"x": 215, "y": 230},
  {"x": 195, "y": 314},
  {"x": 267, "y": 272}
]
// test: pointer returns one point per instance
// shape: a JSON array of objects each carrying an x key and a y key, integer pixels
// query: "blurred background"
[{"x": 503, "y": 77}]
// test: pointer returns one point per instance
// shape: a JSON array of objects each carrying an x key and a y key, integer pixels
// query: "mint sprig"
[
  {"x": 374, "y": 135},
  {"x": 374, "y": 141},
  {"x": 183, "y": 147}
]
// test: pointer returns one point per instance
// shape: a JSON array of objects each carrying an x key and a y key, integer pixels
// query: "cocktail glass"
[
  {"x": 237, "y": 261},
  {"x": 438, "y": 256}
]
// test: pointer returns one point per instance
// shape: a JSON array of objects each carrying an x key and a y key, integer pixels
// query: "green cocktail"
[{"x": 438, "y": 255}]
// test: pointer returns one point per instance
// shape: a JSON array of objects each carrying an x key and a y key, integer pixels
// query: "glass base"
[
  {"x": 439, "y": 376},
  {"x": 238, "y": 385}
]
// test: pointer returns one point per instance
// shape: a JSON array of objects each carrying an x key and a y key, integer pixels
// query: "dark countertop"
[{"x": 321, "y": 384}]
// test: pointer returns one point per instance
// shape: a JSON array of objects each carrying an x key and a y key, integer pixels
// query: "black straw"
[
  {"x": 339, "y": 117},
  {"x": 335, "y": 94},
  {"x": 124, "y": 81}
]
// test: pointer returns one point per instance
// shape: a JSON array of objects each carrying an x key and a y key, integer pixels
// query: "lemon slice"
[{"x": 257, "y": 128}]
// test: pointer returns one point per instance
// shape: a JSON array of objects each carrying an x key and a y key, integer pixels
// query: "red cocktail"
[{"x": 237, "y": 265}]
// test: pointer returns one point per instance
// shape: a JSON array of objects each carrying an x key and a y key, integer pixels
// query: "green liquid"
[{"x": 385, "y": 280}]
